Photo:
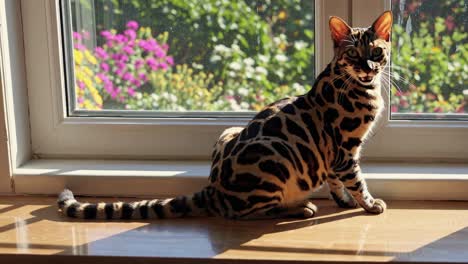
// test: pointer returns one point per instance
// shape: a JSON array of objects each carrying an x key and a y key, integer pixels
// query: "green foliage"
[
  {"x": 430, "y": 63},
  {"x": 255, "y": 49},
  {"x": 180, "y": 89}
]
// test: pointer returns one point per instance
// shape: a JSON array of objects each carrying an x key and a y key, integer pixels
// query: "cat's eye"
[
  {"x": 377, "y": 52},
  {"x": 352, "y": 53}
]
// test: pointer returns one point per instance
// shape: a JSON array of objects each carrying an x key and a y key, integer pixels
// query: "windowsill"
[
  {"x": 405, "y": 181},
  {"x": 408, "y": 232}
]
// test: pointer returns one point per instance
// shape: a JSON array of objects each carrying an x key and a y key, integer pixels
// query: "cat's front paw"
[{"x": 378, "y": 207}]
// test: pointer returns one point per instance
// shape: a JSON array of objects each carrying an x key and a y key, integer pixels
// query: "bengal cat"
[{"x": 292, "y": 147}]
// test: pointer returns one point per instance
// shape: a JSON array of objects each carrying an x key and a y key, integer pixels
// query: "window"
[
  {"x": 430, "y": 58},
  {"x": 194, "y": 58}
]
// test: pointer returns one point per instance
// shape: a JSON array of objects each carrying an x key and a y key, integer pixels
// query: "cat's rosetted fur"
[{"x": 292, "y": 147}]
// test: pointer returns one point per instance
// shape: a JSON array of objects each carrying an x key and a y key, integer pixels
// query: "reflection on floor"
[{"x": 408, "y": 231}]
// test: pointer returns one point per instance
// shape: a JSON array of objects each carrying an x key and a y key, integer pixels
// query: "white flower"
[
  {"x": 281, "y": 58},
  {"x": 243, "y": 91},
  {"x": 263, "y": 58},
  {"x": 221, "y": 48},
  {"x": 235, "y": 47},
  {"x": 261, "y": 70},
  {"x": 215, "y": 58},
  {"x": 300, "y": 44},
  {"x": 197, "y": 66},
  {"x": 249, "y": 61},
  {"x": 233, "y": 26},
  {"x": 298, "y": 87},
  {"x": 244, "y": 106},
  {"x": 279, "y": 73},
  {"x": 235, "y": 66}
]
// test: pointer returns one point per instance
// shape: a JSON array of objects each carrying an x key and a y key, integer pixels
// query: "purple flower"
[
  {"x": 132, "y": 25},
  {"x": 101, "y": 53},
  {"x": 107, "y": 34},
  {"x": 129, "y": 50},
  {"x": 80, "y": 100},
  {"x": 159, "y": 53},
  {"x": 131, "y": 91},
  {"x": 121, "y": 39},
  {"x": 105, "y": 67},
  {"x": 139, "y": 63},
  {"x": 77, "y": 36},
  {"x": 142, "y": 76},
  {"x": 130, "y": 33},
  {"x": 152, "y": 63},
  {"x": 109, "y": 87},
  {"x": 170, "y": 60},
  {"x": 103, "y": 78},
  {"x": 136, "y": 82},
  {"x": 81, "y": 85},
  {"x": 127, "y": 76},
  {"x": 79, "y": 46},
  {"x": 120, "y": 65},
  {"x": 123, "y": 58},
  {"x": 163, "y": 65}
]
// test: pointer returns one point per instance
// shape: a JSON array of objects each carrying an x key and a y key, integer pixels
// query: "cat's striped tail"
[{"x": 180, "y": 206}]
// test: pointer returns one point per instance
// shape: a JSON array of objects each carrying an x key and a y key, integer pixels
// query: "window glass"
[
  {"x": 191, "y": 55},
  {"x": 429, "y": 71}
]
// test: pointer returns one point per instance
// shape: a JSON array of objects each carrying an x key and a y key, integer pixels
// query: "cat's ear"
[
  {"x": 339, "y": 29},
  {"x": 383, "y": 25}
]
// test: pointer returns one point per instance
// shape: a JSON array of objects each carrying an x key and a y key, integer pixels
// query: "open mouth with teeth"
[{"x": 366, "y": 79}]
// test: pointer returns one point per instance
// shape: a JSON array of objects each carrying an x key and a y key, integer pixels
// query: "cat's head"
[{"x": 362, "y": 52}]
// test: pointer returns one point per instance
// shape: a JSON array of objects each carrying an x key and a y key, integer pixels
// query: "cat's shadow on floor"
[{"x": 186, "y": 237}]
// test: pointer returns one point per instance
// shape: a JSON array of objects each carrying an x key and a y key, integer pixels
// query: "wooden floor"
[{"x": 407, "y": 232}]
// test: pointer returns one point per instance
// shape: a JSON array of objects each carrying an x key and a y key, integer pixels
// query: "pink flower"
[
  {"x": 105, "y": 67},
  {"x": 163, "y": 65},
  {"x": 77, "y": 36},
  {"x": 101, "y": 53},
  {"x": 128, "y": 50},
  {"x": 121, "y": 65},
  {"x": 132, "y": 25},
  {"x": 160, "y": 53},
  {"x": 107, "y": 34},
  {"x": 136, "y": 82},
  {"x": 131, "y": 92},
  {"x": 79, "y": 46},
  {"x": 152, "y": 63},
  {"x": 143, "y": 77},
  {"x": 127, "y": 76},
  {"x": 121, "y": 39},
  {"x": 394, "y": 109},
  {"x": 130, "y": 33},
  {"x": 81, "y": 85},
  {"x": 139, "y": 63},
  {"x": 170, "y": 60}
]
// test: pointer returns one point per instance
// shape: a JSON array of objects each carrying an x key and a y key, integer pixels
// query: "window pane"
[
  {"x": 191, "y": 55},
  {"x": 429, "y": 59}
]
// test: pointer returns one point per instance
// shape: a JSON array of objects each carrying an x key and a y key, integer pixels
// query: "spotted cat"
[{"x": 292, "y": 147}]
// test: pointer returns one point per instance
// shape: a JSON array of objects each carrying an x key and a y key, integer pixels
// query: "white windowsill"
[{"x": 415, "y": 181}]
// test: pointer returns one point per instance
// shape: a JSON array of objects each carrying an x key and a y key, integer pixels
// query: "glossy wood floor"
[{"x": 407, "y": 232}]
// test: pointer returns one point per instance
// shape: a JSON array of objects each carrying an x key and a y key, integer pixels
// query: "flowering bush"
[
  {"x": 120, "y": 66},
  {"x": 430, "y": 58},
  {"x": 179, "y": 89},
  {"x": 86, "y": 91}
]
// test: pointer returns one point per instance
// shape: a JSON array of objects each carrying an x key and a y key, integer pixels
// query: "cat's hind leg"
[
  {"x": 305, "y": 209},
  {"x": 339, "y": 193}
]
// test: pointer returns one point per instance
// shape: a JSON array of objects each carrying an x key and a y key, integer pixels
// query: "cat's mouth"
[{"x": 366, "y": 79}]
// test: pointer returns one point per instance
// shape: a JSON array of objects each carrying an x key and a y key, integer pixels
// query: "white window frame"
[{"x": 39, "y": 131}]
